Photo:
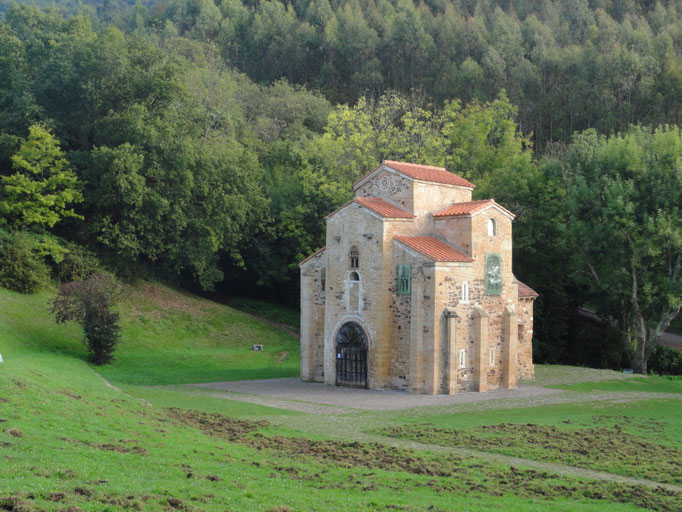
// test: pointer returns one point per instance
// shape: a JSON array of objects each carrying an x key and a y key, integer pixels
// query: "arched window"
[
  {"x": 465, "y": 292},
  {"x": 353, "y": 291},
  {"x": 492, "y": 228},
  {"x": 354, "y": 257}
]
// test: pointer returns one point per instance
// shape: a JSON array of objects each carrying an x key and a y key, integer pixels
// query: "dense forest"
[{"x": 204, "y": 141}]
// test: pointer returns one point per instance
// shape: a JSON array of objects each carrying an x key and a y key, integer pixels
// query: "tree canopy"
[{"x": 205, "y": 140}]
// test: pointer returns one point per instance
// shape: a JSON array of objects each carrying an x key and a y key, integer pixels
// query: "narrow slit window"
[
  {"x": 354, "y": 257},
  {"x": 492, "y": 228},
  {"x": 462, "y": 358},
  {"x": 323, "y": 278},
  {"x": 404, "y": 278},
  {"x": 492, "y": 357},
  {"x": 465, "y": 292}
]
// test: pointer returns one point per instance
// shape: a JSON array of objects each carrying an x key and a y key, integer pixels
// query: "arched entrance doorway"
[{"x": 351, "y": 356}]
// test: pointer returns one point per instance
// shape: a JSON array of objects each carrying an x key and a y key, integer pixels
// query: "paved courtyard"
[{"x": 287, "y": 392}]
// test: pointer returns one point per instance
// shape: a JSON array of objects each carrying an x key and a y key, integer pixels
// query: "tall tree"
[{"x": 626, "y": 223}]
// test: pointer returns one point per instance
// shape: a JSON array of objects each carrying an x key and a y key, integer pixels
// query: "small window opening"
[
  {"x": 354, "y": 276},
  {"x": 465, "y": 292},
  {"x": 404, "y": 279},
  {"x": 354, "y": 257},
  {"x": 492, "y": 228},
  {"x": 323, "y": 278},
  {"x": 492, "y": 357},
  {"x": 462, "y": 358}
]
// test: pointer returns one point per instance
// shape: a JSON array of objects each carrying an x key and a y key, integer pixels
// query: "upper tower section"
[{"x": 418, "y": 189}]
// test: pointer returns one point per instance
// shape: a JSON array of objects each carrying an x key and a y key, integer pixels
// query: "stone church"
[{"x": 414, "y": 289}]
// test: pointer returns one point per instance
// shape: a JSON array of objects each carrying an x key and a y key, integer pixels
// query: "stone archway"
[{"x": 351, "y": 356}]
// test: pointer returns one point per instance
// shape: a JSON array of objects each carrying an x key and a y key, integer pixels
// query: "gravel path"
[{"x": 280, "y": 393}]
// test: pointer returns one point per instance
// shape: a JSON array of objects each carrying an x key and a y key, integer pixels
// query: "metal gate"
[{"x": 351, "y": 356}]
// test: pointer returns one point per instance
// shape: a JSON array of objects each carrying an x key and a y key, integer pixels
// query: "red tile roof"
[
  {"x": 423, "y": 173},
  {"x": 433, "y": 248},
  {"x": 526, "y": 291},
  {"x": 383, "y": 208},
  {"x": 428, "y": 173},
  {"x": 313, "y": 255},
  {"x": 468, "y": 208},
  {"x": 378, "y": 206}
]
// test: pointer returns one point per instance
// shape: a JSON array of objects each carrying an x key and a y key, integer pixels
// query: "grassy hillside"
[
  {"x": 167, "y": 338},
  {"x": 69, "y": 441}
]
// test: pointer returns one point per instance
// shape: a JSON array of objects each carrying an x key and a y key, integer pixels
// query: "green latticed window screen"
[
  {"x": 404, "y": 279},
  {"x": 493, "y": 273}
]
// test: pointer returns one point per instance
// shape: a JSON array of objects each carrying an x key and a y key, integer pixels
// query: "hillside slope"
[{"x": 168, "y": 337}]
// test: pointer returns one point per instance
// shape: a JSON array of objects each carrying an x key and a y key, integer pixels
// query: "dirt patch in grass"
[
  {"x": 452, "y": 474},
  {"x": 602, "y": 448},
  {"x": 110, "y": 447},
  {"x": 167, "y": 299},
  {"x": 446, "y": 473},
  {"x": 215, "y": 424}
]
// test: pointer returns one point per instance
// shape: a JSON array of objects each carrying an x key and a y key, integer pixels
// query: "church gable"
[{"x": 388, "y": 185}]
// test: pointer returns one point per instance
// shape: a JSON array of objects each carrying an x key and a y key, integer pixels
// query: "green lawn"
[
  {"x": 67, "y": 440},
  {"x": 70, "y": 442},
  {"x": 648, "y": 384}
]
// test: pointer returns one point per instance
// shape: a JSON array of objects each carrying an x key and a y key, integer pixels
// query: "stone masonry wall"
[
  {"x": 312, "y": 317},
  {"x": 355, "y": 226},
  {"x": 525, "y": 311}
]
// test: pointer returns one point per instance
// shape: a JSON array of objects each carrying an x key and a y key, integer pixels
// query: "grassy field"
[
  {"x": 642, "y": 439},
  {"x": 71, "y": 441}
]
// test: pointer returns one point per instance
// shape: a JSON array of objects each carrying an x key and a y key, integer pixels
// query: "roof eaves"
[{"x": 319, "y": 251}]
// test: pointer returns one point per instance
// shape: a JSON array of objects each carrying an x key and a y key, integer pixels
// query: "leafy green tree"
[
  {"x": 625, "y": 197},
  {"x": 43, "y": 188},
  {"x": 89, "y": 302}
]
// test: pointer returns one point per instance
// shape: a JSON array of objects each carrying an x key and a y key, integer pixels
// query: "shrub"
[
  {"x": 665, "y": 361},
  {"x": 21, "y": 269},
  {"x": 89, "y": 303},
  {"x": 77, "y": 264}
]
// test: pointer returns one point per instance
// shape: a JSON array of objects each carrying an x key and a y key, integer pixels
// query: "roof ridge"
[
  {"x": 412, "y": 164},
  {"x": 420, "y": 172}
]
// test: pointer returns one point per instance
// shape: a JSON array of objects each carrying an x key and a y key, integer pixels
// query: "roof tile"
[
  {"x": 428, "y": 173},
  {"x": 433, "y": 248},
  {"x": 467, "y": 208},
  {"x": 526, "y": 291},
  {"x": 383, "y": 208}
]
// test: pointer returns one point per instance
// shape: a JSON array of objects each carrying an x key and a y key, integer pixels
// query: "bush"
[
  {"x": 77, "y": 264},
  {"x": 21, "y": 268},
  {"x": 665, "y": 361},
  {"x": 89, "y": 303}
]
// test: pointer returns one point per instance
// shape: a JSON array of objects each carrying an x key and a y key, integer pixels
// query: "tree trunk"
[{"x": 640, "y": 356}]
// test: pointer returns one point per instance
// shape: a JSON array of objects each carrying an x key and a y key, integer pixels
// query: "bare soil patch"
[
  {"x": 215, "y": 424},
  {"x": 167, "y": 299}
]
